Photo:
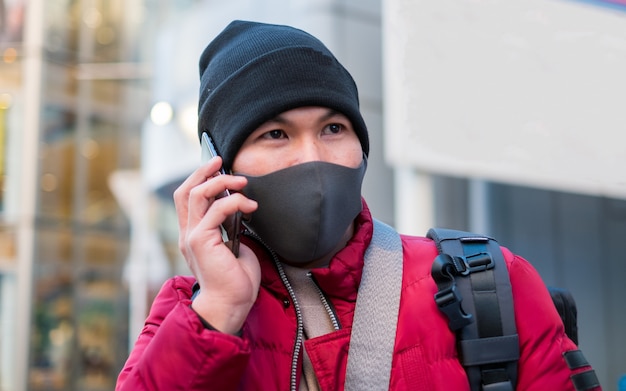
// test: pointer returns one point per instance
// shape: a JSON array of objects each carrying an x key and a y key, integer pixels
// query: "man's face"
[{"x": 298, "y": 136}]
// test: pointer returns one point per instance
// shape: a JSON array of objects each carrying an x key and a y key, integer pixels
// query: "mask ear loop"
[{"x": 364, "y": 161}]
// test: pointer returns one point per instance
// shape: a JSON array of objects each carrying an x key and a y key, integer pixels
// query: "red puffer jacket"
[{"x": 176, "y": 352}]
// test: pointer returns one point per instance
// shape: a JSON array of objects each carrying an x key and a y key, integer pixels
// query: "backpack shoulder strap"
[{"x": 474, "y": 292}]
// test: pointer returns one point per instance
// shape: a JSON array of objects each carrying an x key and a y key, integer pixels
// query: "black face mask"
[{"x": 304, "y": 210}]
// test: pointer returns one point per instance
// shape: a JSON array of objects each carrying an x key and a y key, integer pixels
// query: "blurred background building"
[{"x": 97, "y": 127}]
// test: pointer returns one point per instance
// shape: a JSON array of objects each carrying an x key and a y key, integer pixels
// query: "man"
[{"x": 284, "y": 116}]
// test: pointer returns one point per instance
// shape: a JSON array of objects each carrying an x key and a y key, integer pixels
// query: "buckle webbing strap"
[
  {"x": 585, "y": 380},
  {"x": 575, "y": 359},
  {"x": 475, "y": 294},
  {"x": 489, "y": 350}
]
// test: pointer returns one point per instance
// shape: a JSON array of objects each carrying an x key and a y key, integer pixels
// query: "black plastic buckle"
[
  {"x": 449, "y": 302},
  {"x": 474, "y": 263}
]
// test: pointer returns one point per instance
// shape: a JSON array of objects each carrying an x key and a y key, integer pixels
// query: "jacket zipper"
[
  {"x": 293, "y": 383},
  {"x": 300, "y": 326},
  {"x": 326, "y": 304}
]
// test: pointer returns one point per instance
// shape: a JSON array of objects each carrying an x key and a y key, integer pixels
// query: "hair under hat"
[{"x": 251, "y": 72}]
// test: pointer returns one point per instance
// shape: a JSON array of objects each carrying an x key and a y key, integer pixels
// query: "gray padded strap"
[{"x": 376, "y": 313}]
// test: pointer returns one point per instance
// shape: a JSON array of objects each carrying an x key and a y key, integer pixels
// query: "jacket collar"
[{"x": 343, "y": 275}]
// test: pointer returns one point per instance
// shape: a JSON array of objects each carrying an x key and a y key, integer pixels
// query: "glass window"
[{"x": 92, "y": 110}]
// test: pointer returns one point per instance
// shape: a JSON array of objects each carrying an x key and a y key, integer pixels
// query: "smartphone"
[{"x": 231, "y": 227}]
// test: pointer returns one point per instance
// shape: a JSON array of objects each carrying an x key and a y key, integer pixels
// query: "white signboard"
[{"x": 527, "y": 92}]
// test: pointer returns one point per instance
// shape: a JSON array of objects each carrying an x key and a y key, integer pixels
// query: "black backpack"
[{"x": 470, "y": 268}]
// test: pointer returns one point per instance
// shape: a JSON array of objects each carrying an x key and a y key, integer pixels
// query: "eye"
[
  {"x": 274, "y": 134},
  {"x": 334, "y": 128}
]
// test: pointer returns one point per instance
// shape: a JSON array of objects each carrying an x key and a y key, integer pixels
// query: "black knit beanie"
[{"x": 251, "y": 72}]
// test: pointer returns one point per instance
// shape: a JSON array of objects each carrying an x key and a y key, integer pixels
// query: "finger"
[
  {"x": 199, "y": 176},
  {"x": 204, "y": 195},
  {"x": 207, "y": 232},
  {"x": 224, "y": 207}
]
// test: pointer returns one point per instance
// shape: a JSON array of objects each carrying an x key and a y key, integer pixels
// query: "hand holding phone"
[{"x": 231, "y": 227}]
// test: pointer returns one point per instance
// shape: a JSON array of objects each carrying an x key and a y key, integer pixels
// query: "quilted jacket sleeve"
[
  {"x": 175, "y": 352},
  {"x": 543, "y": 342}
]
